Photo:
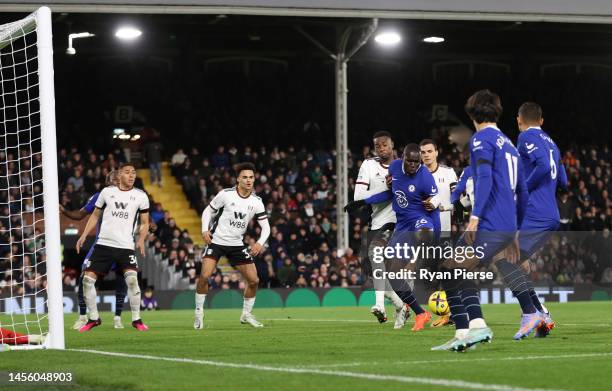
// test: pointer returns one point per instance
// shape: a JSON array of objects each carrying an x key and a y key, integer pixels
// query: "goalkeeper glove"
[{"x": 351, "y": 206}]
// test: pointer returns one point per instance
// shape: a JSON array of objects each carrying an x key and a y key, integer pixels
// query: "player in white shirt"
[
  {"x": 446, "y": 179},
  {"x": 224, "y": 223},
  {"x": 372, "y": 180},
  {"x": 120, "y": 208}
]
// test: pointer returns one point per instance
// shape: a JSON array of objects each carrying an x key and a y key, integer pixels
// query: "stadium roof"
[{"x": 586, "y": 11}]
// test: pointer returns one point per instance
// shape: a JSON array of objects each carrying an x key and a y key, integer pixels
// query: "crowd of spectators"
[
  {"x": 22, "y": 258},
  {"x": 80, "y": 178},
  {"x": 297, "y": 187}
]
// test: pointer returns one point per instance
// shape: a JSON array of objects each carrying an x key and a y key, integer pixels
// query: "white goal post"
[{"x": 31, "y": 303}]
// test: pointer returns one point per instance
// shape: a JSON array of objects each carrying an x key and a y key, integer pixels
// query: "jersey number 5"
[{"x": 512, "y": 169}]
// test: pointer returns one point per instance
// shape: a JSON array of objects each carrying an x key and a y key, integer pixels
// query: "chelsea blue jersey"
[
  {"x": 543, "y": 172},
  {"x": 496, "y": 211},
  {"x": 408, "y": 193}
]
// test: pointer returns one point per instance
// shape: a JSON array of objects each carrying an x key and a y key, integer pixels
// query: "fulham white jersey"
[
  {"x": 120, "y": 211},
  {"x": 445, "y": 179},
  {"x": 371, "y": 180},
  {"x": 233, "y": 213}
]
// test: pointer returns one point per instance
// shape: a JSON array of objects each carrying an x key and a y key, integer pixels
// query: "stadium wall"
[{"x": 306, "y": 297}]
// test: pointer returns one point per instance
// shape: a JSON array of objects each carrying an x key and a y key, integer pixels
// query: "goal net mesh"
[{"x": 23, "y": 267}]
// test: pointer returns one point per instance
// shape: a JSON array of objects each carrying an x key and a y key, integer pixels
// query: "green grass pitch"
[{"x": 329, "y": 348}]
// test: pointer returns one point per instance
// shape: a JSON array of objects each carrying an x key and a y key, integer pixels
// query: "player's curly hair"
[
  {"x": 484, "y": 106},
  {"x": 244, "y": 166}
]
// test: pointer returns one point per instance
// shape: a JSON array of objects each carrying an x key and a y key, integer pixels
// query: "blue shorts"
[
  {"x": 487, "y": 244},
  {"x": 534, "y": 234}
]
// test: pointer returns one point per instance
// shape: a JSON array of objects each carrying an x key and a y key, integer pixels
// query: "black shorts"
[
  {"x": 237, "y": 255},
  {"x": 374, "y": 237},
  {"x": 103, "y": 258}
]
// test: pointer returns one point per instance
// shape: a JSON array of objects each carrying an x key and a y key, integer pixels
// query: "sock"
[
  {"x": 395, "y": 299},
  {"x": 89, "y": 295},
  {"x": 517, "y": 282},
  {"x": 380, "y": 298},
  {"x": 458, "y": 314},
  {"x": 536, "y": 301},
  {"x": 461, "y": 333},
  {"x": 200, "y": 298},
  {"x": 82, "y": 305},
  {"x": 133, "y": 291},
  {"x": 471, "y": 303},
  {"x": 408, "y": 298},
  {"x": 477, "y": 323},
  {"x": 121, "y": 291},
  {"x": 248, "y": 304}
]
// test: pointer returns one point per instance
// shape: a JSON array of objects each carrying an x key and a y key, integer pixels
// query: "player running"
[
  {"x": 224, "y": 222},
  {"x": 499, "y": 204},
  {"x": 121, "y": 288},
  {"x": 415, "y": 202},
  {"x": 446, "y": 180},
  {"x": 120, "y": 208},
  {"x": 372, "y": 180}
]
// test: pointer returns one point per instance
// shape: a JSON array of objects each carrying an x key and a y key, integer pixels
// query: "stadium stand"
[{"x": 297, "y": 186}]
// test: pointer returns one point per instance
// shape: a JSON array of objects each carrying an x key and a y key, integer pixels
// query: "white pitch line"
[
  {"x": 295, "y": 370},
  {"x": 374, "y": 321},
  {"x": 515, "y": 358}
]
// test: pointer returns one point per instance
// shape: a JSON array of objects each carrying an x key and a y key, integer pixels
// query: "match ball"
[{"x": 438, "y": 304}]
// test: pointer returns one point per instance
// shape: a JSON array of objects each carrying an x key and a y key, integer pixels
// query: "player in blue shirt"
[
  {"x": 121, "y": 289},
  {"x": 544, "y": 172},
  {"x": 414, "y": 196},
  {"x": 500, "y": 198}
]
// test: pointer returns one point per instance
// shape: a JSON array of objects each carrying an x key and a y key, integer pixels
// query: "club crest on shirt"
[
  {"x": 401, "y": 198},
  {"x": 411, "y": 188}
]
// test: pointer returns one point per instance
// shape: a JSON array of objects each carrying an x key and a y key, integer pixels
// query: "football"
[{"x": 438, "y": 304}]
